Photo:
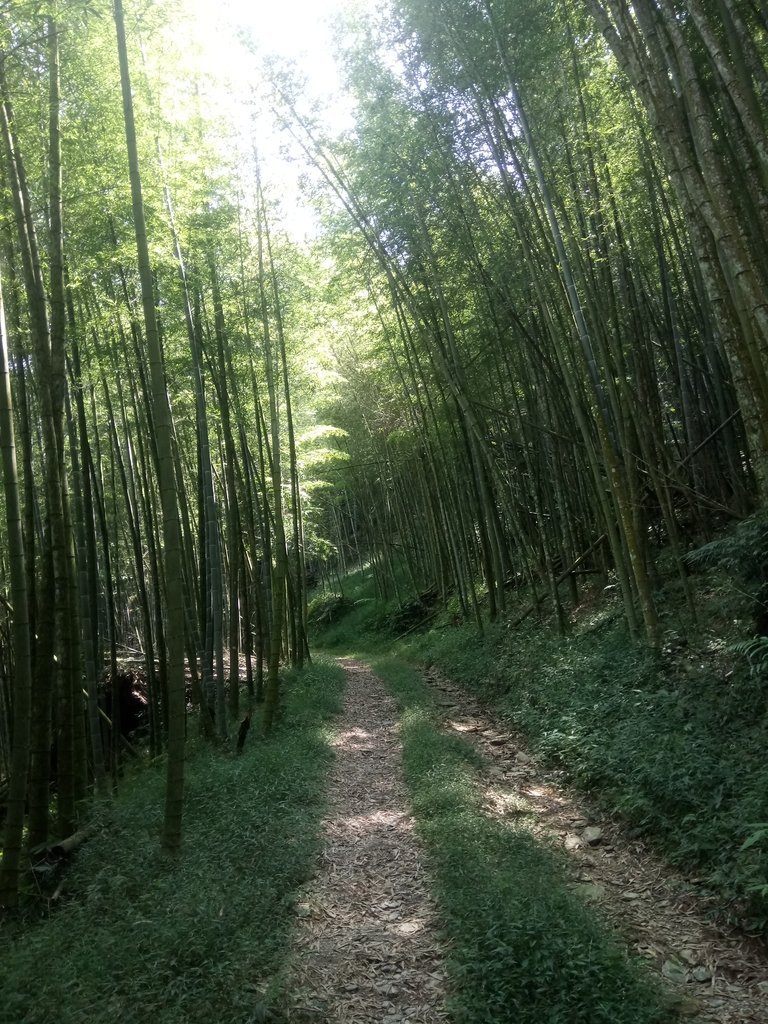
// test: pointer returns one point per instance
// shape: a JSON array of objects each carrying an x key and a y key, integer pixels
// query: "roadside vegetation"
[{"x": 135, "y": 937}]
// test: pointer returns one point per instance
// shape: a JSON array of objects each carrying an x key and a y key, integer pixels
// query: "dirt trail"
[
  {"x": 719, "y": 975},
  {"x": 366, "y": 950}
]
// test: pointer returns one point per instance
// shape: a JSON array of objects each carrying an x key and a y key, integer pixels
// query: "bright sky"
[{"x": 296, "y": 30}]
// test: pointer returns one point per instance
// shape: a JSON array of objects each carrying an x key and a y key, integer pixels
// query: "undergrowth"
[
  {"x": 139, "y": 939},
  {"x": 357, "y": 618},
  {"x": 522, "y": 947}
]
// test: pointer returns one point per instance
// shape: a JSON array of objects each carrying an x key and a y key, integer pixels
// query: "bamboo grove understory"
[{"x": 529, "y": 340}]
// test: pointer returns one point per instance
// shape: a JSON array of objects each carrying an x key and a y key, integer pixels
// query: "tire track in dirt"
[
  {"x": 366, "y": 949},
  {"x": 718, "y": 974}
]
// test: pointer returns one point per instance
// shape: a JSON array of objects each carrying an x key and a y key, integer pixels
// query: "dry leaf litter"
[
  {"x": 718, "y": 974},
  {"x": 367, "y": 948}
]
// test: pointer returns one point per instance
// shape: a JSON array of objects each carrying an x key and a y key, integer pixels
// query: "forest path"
[
  {"x": 366, "y": 948},
  {"x": 719, "y": 975}
]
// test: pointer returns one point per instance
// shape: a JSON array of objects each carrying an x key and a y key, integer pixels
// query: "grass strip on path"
[
  {"x": 142, "y": 940},
  {"x": 523, "y": 947}
]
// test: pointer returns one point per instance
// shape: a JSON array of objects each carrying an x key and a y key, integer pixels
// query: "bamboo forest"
[{"x": 384, "y": 511}]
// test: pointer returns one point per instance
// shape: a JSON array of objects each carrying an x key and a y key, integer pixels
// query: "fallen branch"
[
  {"x": 126, "y": 743},
  {"x": 563, "y": 576},
  {"x": 710, "y": 437},
  {"x": 421, "y": 622},
  {"x": 62, "y": 850}
]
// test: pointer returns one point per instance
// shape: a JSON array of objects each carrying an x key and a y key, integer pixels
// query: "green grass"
[
  {"x": 522, "y": 947},
  {"x": 141, "y": 940}
]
